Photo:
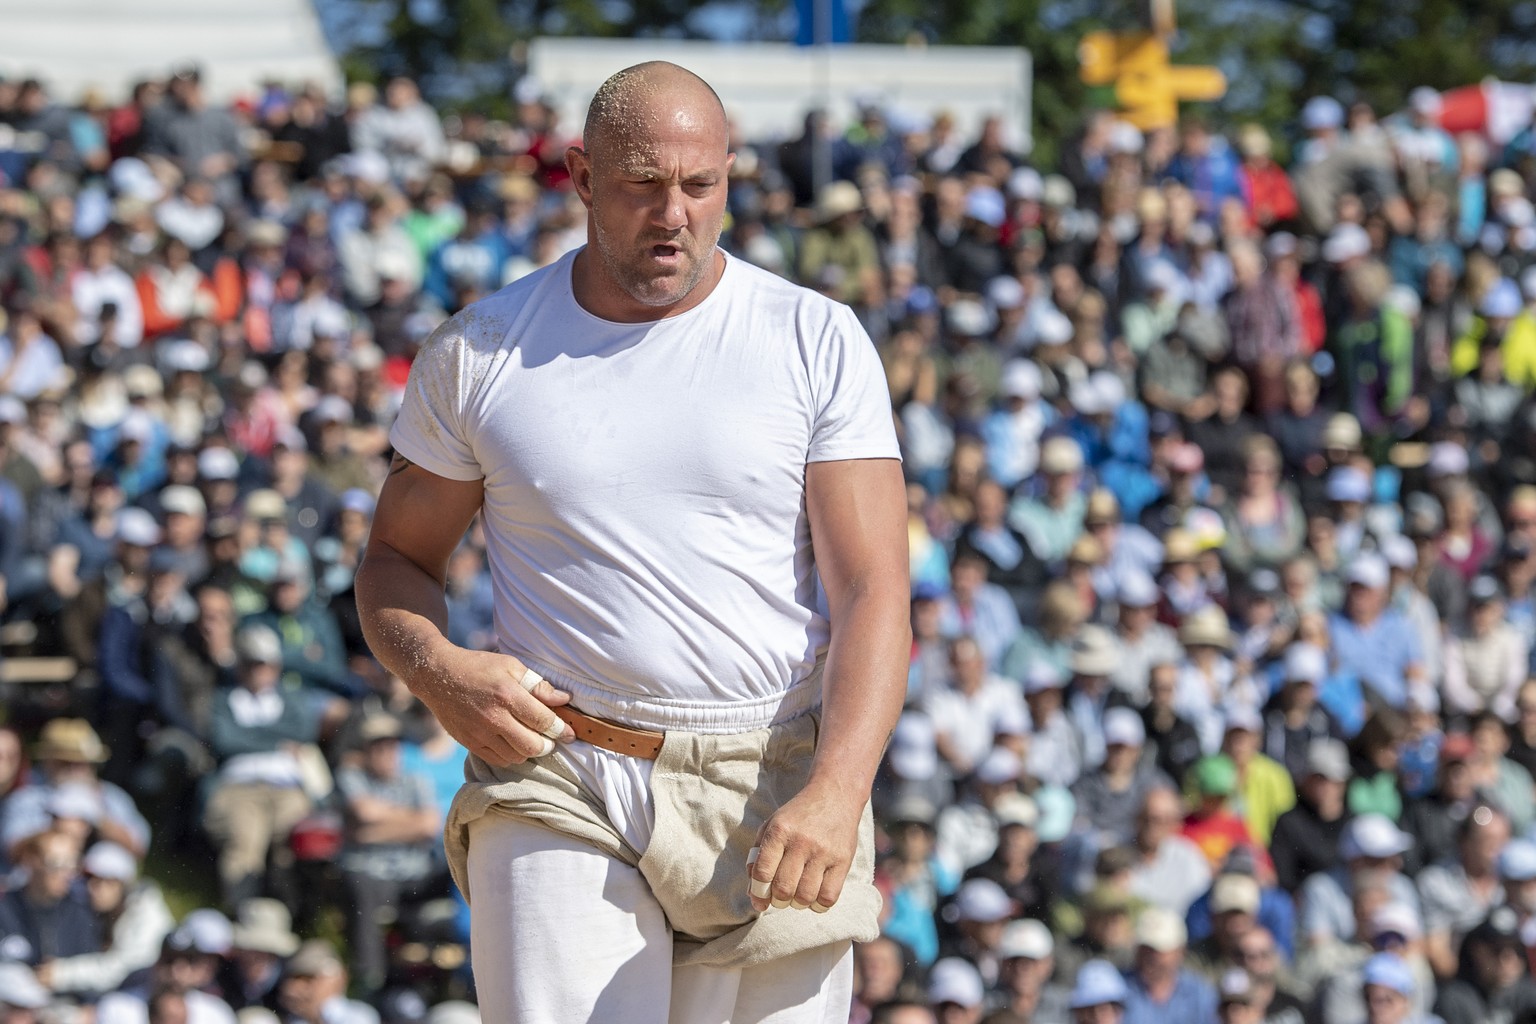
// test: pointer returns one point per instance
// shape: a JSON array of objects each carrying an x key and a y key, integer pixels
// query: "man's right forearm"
[{"x": 404, "y": 615}]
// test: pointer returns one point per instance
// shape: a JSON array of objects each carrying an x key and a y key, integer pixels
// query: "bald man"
[{"x": 692, "y": 501}]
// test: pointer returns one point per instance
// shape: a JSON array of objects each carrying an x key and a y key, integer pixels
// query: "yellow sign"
[{"x": 1147, "y": 87}]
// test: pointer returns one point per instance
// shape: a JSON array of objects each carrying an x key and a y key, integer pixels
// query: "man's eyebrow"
[{"x": 710, "y": 174}]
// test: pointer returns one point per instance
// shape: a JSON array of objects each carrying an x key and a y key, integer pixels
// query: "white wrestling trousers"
[{"x": 564, "y": 934}]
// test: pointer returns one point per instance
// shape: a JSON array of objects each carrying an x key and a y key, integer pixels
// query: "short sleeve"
[
  {"x": 853, "y": 403},
  {"x": 1012, "y": 715},
  {"x": 430, "y": 428},
  {"x": 352, "y": 784}
]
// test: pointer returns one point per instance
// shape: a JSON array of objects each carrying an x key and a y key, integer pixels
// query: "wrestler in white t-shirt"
[{"x": 645, "y": 486}]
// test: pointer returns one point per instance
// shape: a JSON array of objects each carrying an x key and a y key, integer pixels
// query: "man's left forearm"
[{"x": 863, "y": 688}]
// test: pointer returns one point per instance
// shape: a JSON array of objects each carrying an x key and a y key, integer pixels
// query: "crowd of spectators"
[{"x": 1222, "y": 506}]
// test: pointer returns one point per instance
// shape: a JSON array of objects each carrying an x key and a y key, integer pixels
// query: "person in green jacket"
[
  {"x": 1502, "y": 316},
  {"x": 1374, "y": 350},
  {"x": 1374, "y": 788}
]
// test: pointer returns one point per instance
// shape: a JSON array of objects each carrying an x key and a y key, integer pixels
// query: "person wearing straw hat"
[
  {"x": 1052, "y": 521},
  {"x": 840, "y": 239},
  {"x": 1208, "y": 678},
  {"x": 1090, "y": 695},
  {"x": 68, "y": 753},
  {"x": 1160, "y": 989},
  {"x": 260, "y": 944}
]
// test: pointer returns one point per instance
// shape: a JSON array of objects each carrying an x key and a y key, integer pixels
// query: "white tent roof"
[{"x": 74, "y": 44}]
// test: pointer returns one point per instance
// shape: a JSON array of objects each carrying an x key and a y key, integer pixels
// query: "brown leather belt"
[{"x": 621, "y": 739}]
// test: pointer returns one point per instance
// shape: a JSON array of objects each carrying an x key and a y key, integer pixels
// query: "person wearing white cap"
[
  {"x": 1306, "y": 838},
  {"x": 1055, "y": 755},
  {"x": 920, "y": 877},
  {"x": 1370, "y": 849},
  {"x": 1030, "y": 882},
  {"x": 1140, "y": 640},
  {"x": 311, "y": 504},
  {"x": 1054, "y": 520},
  {"x": 956, "y": 991},
  {"x": 1160, "y": 989},
  {"x": 1164, "y": 290},
  {"x": 1373, "y": 640},
  {"x": 1423, "y": 147},
  {"x": 1410, "y": 597},
  {"x": 979, "y": 912},
  {"x": 1294, "y": 719},
  {"x": 136, "y": 913},
  {"x": 1028, "y": 959},
  {"x": 1263, "y": 784},
  {"x": 1491, "y": 395},
  {"x": 1502, "y": 323},
  {"x": 1110, "y": 795},
  {"x": 258, "y": 794},
  {"x": 1098, "y": 994},
  {"x": 968, "y": 828},
  {"x": 1349, "y": 489},
  {"x": 1486, "y": 657},
  {"x": 1012, "y": 431},
  {"x": 912, "y": 762},
  {"x": 333, "y": 460}
]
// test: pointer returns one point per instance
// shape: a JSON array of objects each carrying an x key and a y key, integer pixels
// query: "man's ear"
[{"x": 579, "y": 165}]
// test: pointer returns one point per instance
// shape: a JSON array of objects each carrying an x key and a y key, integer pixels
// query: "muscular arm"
[
  {"x": 859, "y": 530},
  {"x": 400, "y": 601},
  {"x": 419, "y": 521}
]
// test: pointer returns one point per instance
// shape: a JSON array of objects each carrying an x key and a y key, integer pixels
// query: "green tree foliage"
[{"x": 1276, "y": 53}]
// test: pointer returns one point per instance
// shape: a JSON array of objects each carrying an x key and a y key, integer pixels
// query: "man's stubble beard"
[{"x": 641, "y": 287}]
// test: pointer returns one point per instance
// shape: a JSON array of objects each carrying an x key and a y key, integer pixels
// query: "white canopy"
[{"x": 73, "y": 45}]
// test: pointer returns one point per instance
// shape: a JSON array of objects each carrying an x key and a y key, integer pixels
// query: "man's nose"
[{"x": 670, "y": 211}]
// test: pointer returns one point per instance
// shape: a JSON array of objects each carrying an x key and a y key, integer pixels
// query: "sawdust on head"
[{"x": 633, "y": 106}]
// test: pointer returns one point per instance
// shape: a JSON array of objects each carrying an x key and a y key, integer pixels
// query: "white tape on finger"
[
  {"x": 548, "y": 747},
  {"x": 819, "y": 907},
  {"x": 760, "y": 890},
  {"x": 555, "y": 729},
  {"x": 752, "y": 855},
  {"x": 530, "y": 679}
]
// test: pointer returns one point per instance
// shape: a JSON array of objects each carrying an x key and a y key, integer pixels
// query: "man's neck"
[
  {"x": 39, "y": 897},
  {"x": 1161, "y": 988}
]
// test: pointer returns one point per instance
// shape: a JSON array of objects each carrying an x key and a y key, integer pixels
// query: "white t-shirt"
[
  {"x": 645, "y": 486},
  {"x": 128, "y": 1008},
  {"x": 972, "y": 723}
]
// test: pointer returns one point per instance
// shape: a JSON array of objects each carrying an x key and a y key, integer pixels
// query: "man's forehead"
[{"x": 677, "y": 137}]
